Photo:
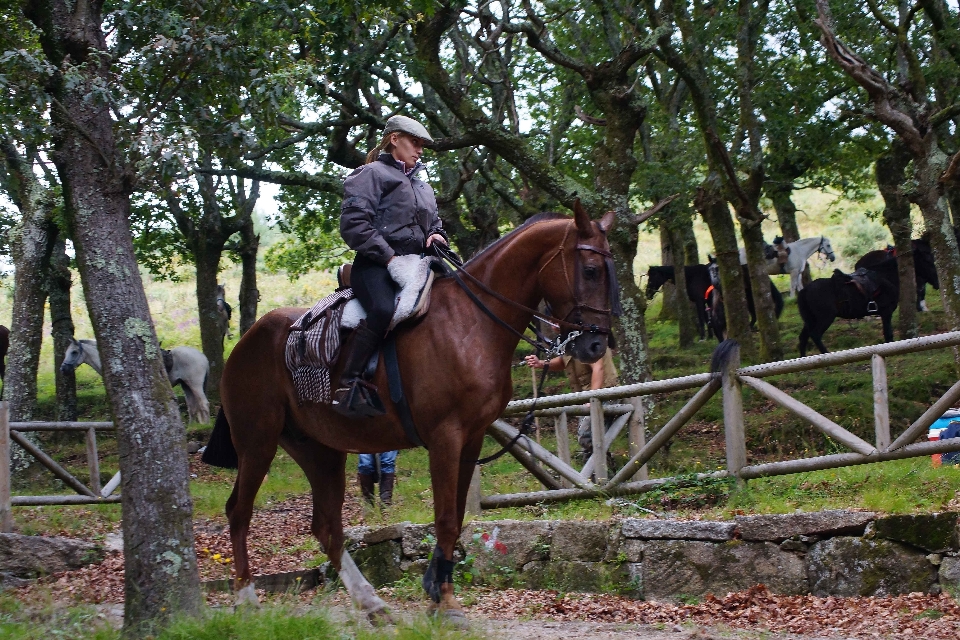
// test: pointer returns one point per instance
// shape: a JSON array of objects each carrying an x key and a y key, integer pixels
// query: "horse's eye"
[{"x": 591, "y": 273}]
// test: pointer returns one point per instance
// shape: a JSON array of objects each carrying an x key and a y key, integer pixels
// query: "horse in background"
[
  {"x": 921, "y": 252},
  {"x": 874, "y": 291},
  {"x": 224, "y": 313},
  {"x": 799, "y": 252},
  {"x": 713, "y": 298},
  {"x": 697, "y": 278},
  {"x": 185, "y": 366},
  {"x": 4, "y": 347}
]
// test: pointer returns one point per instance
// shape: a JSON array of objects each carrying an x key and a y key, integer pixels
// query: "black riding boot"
[
  {"x": 365, "y": 480},
  {"x": 356, "y": 397},
  {"x": 386, "y": 488}
]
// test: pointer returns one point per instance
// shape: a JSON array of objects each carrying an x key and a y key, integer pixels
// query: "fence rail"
[
  {"x": 591, "y": 480},
  {"x": 91, "y": 493}
]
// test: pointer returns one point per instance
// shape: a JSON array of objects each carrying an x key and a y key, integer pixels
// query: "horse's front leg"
[
  {"x": 887, "y": 320},
  {"x": 446, "y": 470}
]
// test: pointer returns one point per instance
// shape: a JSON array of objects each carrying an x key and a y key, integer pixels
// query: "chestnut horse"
[{"x": 455, "y": 366}]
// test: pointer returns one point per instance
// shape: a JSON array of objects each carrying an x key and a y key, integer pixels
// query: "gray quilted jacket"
[{"x": 385, "y": 212}]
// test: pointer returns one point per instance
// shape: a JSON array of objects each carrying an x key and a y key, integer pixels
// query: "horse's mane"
[{"x": 529, "y": 222}]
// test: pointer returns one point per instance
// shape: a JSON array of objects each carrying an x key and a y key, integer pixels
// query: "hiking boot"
[
  {"x": 357, "y": 398},
  {"x": 386, "y": 488},
  {"x": 365, "y": 480}
]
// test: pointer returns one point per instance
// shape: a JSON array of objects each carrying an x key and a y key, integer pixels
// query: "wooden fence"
[
  {"x": 592, "y": 480},
  {"x": 86, "y": 494}
]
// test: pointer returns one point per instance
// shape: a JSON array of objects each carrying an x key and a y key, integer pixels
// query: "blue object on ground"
[{"x": 952, "y": 431}]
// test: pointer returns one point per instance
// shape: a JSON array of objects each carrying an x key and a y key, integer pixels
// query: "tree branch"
[{"x": 327, "y": 184}]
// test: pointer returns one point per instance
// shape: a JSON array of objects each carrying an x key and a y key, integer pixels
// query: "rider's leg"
[{"x": 376, "y": 292}]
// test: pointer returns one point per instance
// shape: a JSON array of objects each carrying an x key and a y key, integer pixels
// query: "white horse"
[
  {"x": 185, "y": 366},
  {"x": 800, "y": 252}
]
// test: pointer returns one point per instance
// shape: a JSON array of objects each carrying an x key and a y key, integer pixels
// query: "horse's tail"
[
  {"x": 777, "y": 298},
  {"x": 803, "y": 306},
  {"x": 722, "y": 354},
  {"x": 220, "y": 451}
]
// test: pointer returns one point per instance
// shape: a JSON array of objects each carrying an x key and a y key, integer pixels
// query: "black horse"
[
  {"x": 698, "y": 280},
  {"x": 921, "y": 253},
  {"x": 872, "y": 292},
  {"x": 714, "y": 301},
  {"x": 4, "y": 345}
]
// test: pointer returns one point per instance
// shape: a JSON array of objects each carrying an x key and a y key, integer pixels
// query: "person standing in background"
[{"x": 373, "y": 468}]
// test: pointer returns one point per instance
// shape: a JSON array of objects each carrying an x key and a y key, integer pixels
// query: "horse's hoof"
[
  {"x": 247, "y": 597},
  {"x": 455, "y": 618},
  {"x": 381, "y": 617}
]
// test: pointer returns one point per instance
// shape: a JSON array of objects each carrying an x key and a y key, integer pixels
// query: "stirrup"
[{"x": 358, "y": 400}]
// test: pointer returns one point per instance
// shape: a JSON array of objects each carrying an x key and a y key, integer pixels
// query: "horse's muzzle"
[
  {"x": 66, "y": 368},
  {"x": 588, "y": 347}
]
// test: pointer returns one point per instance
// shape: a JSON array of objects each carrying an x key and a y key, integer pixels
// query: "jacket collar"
[{"x": 388, "y": 159}]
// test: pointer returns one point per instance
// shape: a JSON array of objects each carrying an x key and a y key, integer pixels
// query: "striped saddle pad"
[{"x": 313, "y": 346}]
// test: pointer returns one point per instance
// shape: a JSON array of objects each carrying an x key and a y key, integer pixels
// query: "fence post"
[
  {"x": 93, "y": 464},
  {"x": 733, "y": 414},
  {"x": 597, "y": 431},
  {"x": 881, "y": 407},
  {"x": 473, "y": 493},
  {"x": 6, "y": 512},
  {"x": 638, "y": 436},
  {"x": 563, "y": 444}
]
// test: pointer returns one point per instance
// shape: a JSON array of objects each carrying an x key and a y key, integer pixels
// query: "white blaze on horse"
[
  {"x": 185, "y": 366},
  {"x": 800, "y": 252}
]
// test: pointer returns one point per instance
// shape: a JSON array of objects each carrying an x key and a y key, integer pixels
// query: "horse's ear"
[
  {"x": 607, "y": 221},
  {"x": 584, "y": 227}
]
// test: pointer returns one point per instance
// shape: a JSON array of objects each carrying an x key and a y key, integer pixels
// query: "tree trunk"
[
  {"x": 668, "y": 305},
  {"x": 28, "y": 244},
  {"x": 890, "y": 172},
  {"x": 715, "y": 212},
  {"x": 61, "y": 321},
  {"x": 249, "y": 294},
  {"x": 207, "y": 262},
  {"x": 686, "y": 315},
  {"x": 767, "y": 323},
  {"x": 160, "y": 564},
  {"x": 953, "y": 197}
]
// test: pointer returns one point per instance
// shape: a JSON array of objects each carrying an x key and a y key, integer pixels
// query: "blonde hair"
[{"x": 383, "y": 146}]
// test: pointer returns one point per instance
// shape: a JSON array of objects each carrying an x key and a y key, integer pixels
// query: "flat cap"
[{"x": 403, "y": 124}]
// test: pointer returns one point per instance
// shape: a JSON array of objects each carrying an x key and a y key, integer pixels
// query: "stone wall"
[{"x": 840, "y": 553}]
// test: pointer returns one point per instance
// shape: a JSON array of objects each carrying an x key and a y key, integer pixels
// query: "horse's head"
[
  {"x": 713, "y": 269},
  {"x": 826, "y": 248},
  {"x": 924, "y": 264},
  {"x": 655, "y": 279},
  {"x": 580, "y": 284},
  {"x": 73, "y": 358}
]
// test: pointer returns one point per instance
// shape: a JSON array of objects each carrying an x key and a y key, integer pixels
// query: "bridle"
[
  {"x": 820, "y": 250},
  {"x": 572, "y": 322}
]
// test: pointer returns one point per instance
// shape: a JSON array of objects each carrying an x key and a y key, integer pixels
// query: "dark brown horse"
[{"x": 455, "y": 367}]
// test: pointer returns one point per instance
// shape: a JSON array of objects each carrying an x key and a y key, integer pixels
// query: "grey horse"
[
  {"x": 185, "y": 366},
  {"x": 224, "y": 313}
]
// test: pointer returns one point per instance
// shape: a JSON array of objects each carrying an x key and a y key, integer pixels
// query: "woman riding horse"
[
  {"x": 454, "y": 367},
  {"x": 387, "y": 212}
]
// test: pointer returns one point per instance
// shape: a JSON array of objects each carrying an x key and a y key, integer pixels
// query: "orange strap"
[{"x": 706, "y": 296}]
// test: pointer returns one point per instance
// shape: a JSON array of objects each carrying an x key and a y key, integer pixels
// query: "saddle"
[
  {"x": 313, "y": 344},
  {"x": 867, "y": 282}
]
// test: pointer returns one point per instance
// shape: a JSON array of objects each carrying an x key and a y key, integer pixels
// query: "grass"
[{"x": 286, "y": 617}]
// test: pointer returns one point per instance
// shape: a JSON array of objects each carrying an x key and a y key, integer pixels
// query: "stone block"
[
  {"x": 934, "y": 532},
  {"x": 950, "y": 576},
  {"x": 583, "y": 577},
  {"x": 673, "y": 568},
  {"x": 520, "y": 542},
  {"x": 393, "y": 532},
  {"x": 579, "y": 541},
  {"x": 848, "y": 566},
  {"x": 418, "y": 540},
  {"x": 678, "y": 530},
  {"x": 32, "y": 556},
  {"x": 380, "y": 563},
  {"x": 353, "y": 537},
  {"x": 777, "y": 528},
  {"x": 631, "y": 551}
]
